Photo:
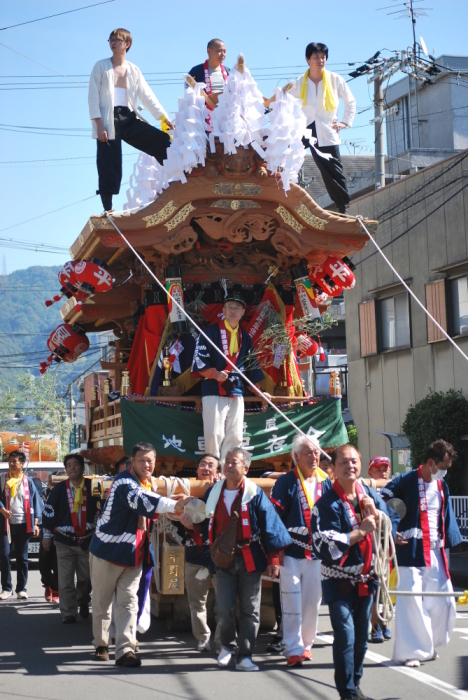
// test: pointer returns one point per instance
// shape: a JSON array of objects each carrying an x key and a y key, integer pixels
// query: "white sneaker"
[
  {"x": 412, "y": 663},
  {"x": 224, "y": 658},
  {"x": 435, "y": 656},
  {"x": 204, "y": 645},
  {"x": 22, "y": 595},
  {"x": 247, "y": 665},
  {"x": 5, "y": 594}
]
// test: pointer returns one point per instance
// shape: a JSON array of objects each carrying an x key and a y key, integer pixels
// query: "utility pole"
[{"x": 378, "y": 128}]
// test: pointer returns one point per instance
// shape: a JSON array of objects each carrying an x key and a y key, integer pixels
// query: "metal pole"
[{"x": 378, "y": 127}]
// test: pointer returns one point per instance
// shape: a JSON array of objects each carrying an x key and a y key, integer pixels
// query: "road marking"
[{"x": 413, "y": 673}]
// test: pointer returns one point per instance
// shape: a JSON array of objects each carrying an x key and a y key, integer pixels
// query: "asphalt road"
[{"x": 42, "y": 659}]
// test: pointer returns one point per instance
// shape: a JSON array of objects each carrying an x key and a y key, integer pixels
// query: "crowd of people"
[
  {"x": 313, "y": 537},
  {"x": 315, "y": 533},
  {"x": 116, "y": 85}
]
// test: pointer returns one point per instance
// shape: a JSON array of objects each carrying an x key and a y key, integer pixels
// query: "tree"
[
  {"x": 35, "y": 391},
  {"x": 352, "y": 435},
  {"x": 440, "y": 415},
  {"x": 8, "y": 404}
]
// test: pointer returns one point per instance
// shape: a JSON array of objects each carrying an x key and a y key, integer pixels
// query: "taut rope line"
[{"x": 233, "y": 366}]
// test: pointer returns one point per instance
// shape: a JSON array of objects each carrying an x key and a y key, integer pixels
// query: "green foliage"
[
  {"x": 26, "y": 324},
  {"x": 439, "y": 416},
  {"x": 8, "y": 403},
  {"x": 352, "y": 435}
]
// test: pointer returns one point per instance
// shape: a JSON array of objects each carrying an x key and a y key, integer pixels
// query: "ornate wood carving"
[
  {"x": 240, "y": 165},
  {"x": 235, "y": 204},
  {"x": 241, "y": 228},
  {"x": 287, "y": 242},
  {"x": 178, "y": 242},
  {"x": 237, "y": 189}
]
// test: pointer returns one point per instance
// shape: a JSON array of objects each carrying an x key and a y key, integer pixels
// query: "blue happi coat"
[
  {"x": 198, "y": 72},
  {"x": 405, "y": 487},
  {"x": 34, "y": 500},
  {"x": 115, "y": 537},
  {"x": 268, "y": 534},
  {"x": 331, "y": 529},
  {"x": 56, "y": 516},
  {"x": 285, "y": 497},
  {"x": 206, "y": 357}
]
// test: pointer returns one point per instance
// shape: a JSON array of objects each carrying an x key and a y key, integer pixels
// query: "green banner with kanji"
[{"x": 174, "y": 431}]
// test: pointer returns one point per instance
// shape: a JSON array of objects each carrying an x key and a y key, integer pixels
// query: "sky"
[{"x": 45, "y": 121}]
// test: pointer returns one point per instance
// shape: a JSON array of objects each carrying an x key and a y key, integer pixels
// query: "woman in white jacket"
[{"x": 114, "y": 89}]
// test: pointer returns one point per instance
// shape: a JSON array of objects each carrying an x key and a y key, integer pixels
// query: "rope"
[
  {"x": 220, "y": 352},
  {"x": 384, "y": 554},
  {"x": 444, "y": 332},
  {"x": 43, "y": 417}
]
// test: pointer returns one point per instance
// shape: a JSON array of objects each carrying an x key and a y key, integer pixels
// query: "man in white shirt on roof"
[
  {"x": 115, "y": 87},
  {"x": 320, "y": 91}
]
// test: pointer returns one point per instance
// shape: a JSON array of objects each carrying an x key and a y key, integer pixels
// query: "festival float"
[{"x": 222, "y": 213}]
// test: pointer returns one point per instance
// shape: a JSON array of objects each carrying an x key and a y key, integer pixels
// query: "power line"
[{"x": 40, "y": 19}]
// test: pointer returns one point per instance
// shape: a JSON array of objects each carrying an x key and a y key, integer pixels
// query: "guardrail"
[{"x": 460, "y": 507}]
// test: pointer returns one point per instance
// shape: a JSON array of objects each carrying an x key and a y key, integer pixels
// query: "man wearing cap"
[
  {"x": 222, "y": 387},
  {"x": 379, "y": 468}
]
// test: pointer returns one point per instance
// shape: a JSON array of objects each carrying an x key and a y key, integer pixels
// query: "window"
[
  {"x": 459, "y": 290},
  {"x": 394, "y": 322}
]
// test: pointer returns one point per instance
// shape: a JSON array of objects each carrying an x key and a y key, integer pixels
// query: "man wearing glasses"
[
  {"x": 115, "y": 87},
  {"x": 320, "y": 91}
]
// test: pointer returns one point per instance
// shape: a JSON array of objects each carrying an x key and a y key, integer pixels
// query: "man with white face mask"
[{"x": 427, "y": 530}]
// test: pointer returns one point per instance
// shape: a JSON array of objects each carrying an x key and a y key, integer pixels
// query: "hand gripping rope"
[{"x": 195, "y": 325}]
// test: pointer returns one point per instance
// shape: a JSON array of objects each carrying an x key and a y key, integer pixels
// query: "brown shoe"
[
  {"x": 101, "y": 654},
  {"x": 129, "y": 659}
]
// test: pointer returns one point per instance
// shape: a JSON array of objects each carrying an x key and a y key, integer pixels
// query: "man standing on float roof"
[
  {"x": 320, "y": 91},
  {"x": 115, "y": 87},
  {"x": 212, "y": 72},
  {"x": 222, "y": 387}
]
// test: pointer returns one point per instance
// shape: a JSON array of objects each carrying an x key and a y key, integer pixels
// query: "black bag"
[{"x": 223, "y": 549}]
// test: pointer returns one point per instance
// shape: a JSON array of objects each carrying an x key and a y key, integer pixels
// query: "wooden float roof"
[{"x": 233, "y": 220}]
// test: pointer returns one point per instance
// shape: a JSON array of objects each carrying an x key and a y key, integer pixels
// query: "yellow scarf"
[
  {"x": 319, "y": 475},
  {"x": 329, "y": 99},
  {"x": 78, "y": 497},
  {"x": 233, "y": 344},
  {"x": 13, "y": 484}
]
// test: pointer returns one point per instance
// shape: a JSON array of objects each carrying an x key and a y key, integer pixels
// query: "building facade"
[{"x": 396, "y": 355}]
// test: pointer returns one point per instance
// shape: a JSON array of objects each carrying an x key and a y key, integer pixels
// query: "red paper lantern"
[
  {"x": 66, "y": 343},
  {"x": 306, "y": 346},
  {"x": 68, "y": 283},
  {"x": 92, "y": 277},
  {"x": 334, "y": 276}
]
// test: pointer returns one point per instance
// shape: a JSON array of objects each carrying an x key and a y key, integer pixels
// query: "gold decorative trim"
[
  {"x": 180, "y": 216},
  {"x": 235, "y": 204},
  {"x": 289, "y": 219},
  {"x": 310, "y": 218},
  {"x": 237, "y": 189},
  {"x": 98, "y": 222},
  {"x": 161, "y": 215}
]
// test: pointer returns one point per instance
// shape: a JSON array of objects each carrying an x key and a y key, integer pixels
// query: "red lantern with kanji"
[
  {"x": 66, "y": 343},
  {"x": 68, "y": 283},
  {"x": 333, "y": 276},
  {"x": 306, "y": 346},
  {"x": 92, "y": 277}
]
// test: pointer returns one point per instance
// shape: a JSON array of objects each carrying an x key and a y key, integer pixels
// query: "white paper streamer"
[
  {"x": 146, "y": 182},
  {"x": 284, "y": 152},
  {"x": 239, "y": 119},
  {"x": 188, "y": 147}
]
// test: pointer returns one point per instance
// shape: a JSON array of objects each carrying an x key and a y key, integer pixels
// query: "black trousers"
[
  {"x": 138, "y": 134},
  {"x": 48, "y": 567},
  {"x": 331, "y": 171}
]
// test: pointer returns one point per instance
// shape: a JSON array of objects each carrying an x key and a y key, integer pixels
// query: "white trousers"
[
  {"x": 223, "y": 423},
  {"x": 301, "y": 595},
  {"x": 422, "y": 624}
]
